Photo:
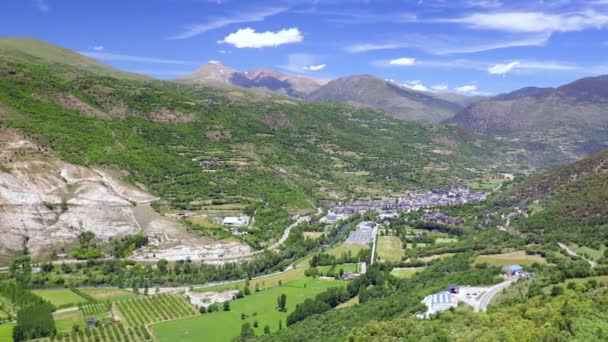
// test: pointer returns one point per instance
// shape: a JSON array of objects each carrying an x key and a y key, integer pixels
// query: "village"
[{"x": 411, "y": 201}]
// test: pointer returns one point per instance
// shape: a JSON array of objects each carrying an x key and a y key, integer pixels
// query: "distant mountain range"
[
  {"x": 403, "y": 103},
  {"x": 569, "y": 121},
  {"x": 215, "y": 72}
]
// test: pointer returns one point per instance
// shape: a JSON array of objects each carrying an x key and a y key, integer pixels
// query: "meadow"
[
  {"x": 65, "y": 321},
  {"x": 260, "y": 307},
  {"x": 406, "y": 272},
  {"x": 390, "y": 248},
  {"x": 6, "y": 331},
  {"x": 518, "y": 257},
  {"x": 61, "y": 298},
  {"x": 108, "y": 293}
]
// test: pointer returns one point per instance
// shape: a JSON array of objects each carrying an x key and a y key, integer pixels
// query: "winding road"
[
  {"x": 573, "y": 253},
  {"x": 490, "y": 293}
]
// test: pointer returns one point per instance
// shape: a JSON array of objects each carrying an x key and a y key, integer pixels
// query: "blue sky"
[{"x": 466, "y": 46}]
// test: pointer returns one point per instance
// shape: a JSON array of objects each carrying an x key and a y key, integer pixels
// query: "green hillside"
[
  {"x": 569, "y": 203},
  {"x": 269, "y": 154},
  {"x": 37, "y": 51}
]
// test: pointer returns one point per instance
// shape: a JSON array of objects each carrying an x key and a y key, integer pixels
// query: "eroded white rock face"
[{"x": 47, "y": 203}]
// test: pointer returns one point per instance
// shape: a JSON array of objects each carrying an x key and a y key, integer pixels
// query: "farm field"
[
  {"x": 593, "y": 254},
  {"x": 102, "y": 334},
  {"x": 263, "y": 282},
  {"x": 64, "y": 321},
  {"x": 336, "y": 268},
  {"x": 312, "y": 235},
  {"x": 6, "y": 331},
  {"x": 405, "y": 272},
  {"x": 61, "y": 298},
  {"x": 260, "y": 307},
  {"x": 390, "y": 248},
  {"x": 519, "y": 257},
  {"x": 436, "y": 256},
  {"x": 446, "y": 240},
  {"x": 343, "y": 248},
  {"x": 157, "y": 308},
  {"x": 108, "y": 293}
]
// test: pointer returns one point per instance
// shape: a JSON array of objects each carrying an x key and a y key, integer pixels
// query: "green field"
[
  {"x": 343, "y": 248},
  {"x": 390, "y": 248},
  {"x": 436, "y": 256},
  {"x": 263, "y": 282},
  {"x": 588, "y": 252},
  {"x": 108, "y": 293},
  {"x": 6, "y": 331},
  {"x": 312, "y": 235},
  {"x": 519, "y": 257},
  {"x": 405, "y": 272},
  {"x": 61, "y": 298},
  {"x": 64, "y": 321},
  {"x": 260, "y": 307},
  {"x": 337, "y": 268},
  {"x": 446, "y": 240},
  {"x": 157, "y": 308}
]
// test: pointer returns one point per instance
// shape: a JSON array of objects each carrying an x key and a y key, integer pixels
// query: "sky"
[{"x": 472, "y": 47}]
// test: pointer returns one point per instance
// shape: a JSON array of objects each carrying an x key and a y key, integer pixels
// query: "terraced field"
[
  {"x": 158, "y": 308},
  {"x": 118, "y": 333}
]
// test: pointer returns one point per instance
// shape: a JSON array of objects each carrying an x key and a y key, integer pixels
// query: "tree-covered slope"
[
  {"x": 569, "y": 202},
  {"x": 281, "y": 153}
]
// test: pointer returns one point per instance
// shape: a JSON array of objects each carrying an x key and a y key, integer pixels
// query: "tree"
[
  {"x": 202, "y": 310},
  {"x": 266, "y": 329},
  {"x": 21, "y": 270},
  {"x": 243, "y": 316},
  {"x": 255, "y": 324},
  {"x": 281, "y": 302},
  {"x": 280, "y": 324},
  {"x": 247, "y": 291},
  {"x": 363, "y": 295},
  {"x": 257, "y": 287},
  {"x": 247, "y": 332},
  {"x": 226, "y": 306}
]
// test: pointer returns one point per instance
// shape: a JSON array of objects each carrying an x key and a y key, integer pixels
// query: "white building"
[
  {"x": 236, "y": 221},
  {"x": 439, "y": 302}
]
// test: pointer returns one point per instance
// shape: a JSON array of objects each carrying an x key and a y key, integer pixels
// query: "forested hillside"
[
  {"x": 198, "y": 145},
  {"x": 569, "y": 202}
]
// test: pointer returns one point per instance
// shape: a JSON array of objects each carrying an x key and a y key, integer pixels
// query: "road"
[
  {"x": 490, "y": 293},
  {"x": 374, "y": 238},
  {"x": 573, "y": 253},
  {"x": 272, "y": 247}
]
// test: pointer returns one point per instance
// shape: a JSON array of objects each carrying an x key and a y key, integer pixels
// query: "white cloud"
[
  {"x": 105, "y": 56},
  {"x": 365, "y": 47},
  {"x": 98, "y": 48},
  {"x": 215, "y": 23},
  {"x": 303, "y": 62},
  {"x": 415, "y": 85},
  {"x": 314, "y": 67},
  {"x": 403, "y": 61},
  {"x": 467, "y": 89},
  {"x": 501, "y": 69},
  {"x": 42, "y": 5},
  {"x": 440, "y": 87},
  {"x": 534, "y": 21},
  {"x": 446, "y": 45},
  {"x": 248, "y": 38}
]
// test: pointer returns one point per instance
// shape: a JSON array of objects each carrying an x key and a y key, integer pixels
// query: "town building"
[
  {"x": 512, "y": 270},
  {"x": 439, "y": 302},
  {"x": 236, "y": 221}
]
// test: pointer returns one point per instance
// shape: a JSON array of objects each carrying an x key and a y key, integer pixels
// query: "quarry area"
[{"x": 45, "y": 203}]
